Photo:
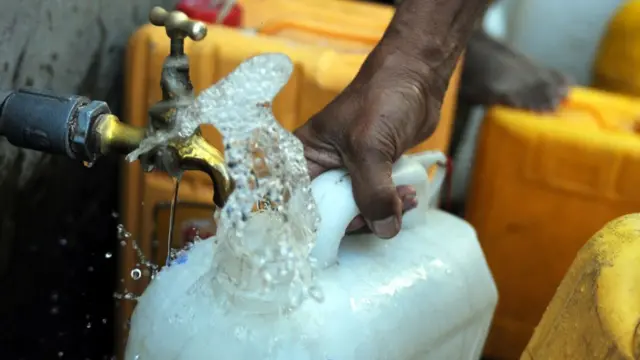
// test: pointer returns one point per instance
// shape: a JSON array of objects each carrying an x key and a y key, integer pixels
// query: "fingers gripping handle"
[
  {"x": 333, "y": 194},
  {"x": 428, "y": 159}
]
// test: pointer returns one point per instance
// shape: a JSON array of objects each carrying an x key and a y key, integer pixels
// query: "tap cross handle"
[{"x": 177, "y": 24}]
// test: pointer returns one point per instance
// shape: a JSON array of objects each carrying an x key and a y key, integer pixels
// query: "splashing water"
[
  {"x": 172, "y": 218},
  {"x": 144, "y": 267},
  {"x": 268, "y": 248}
]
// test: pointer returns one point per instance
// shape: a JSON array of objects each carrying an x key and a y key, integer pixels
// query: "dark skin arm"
[
  {"x": 496, "y": 74},
  {"x": 392, "y": 105}
]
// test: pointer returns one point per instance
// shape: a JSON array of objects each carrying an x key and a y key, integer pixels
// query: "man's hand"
[
  {"x": 386, "y": 110},
  {"x": 391, "y": 105}
]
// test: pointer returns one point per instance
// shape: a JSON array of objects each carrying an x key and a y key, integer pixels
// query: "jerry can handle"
[
  {"x": 428, "y": 159},
  {"x": 596, "y": 113},
  {"x": 336, "y": 205}
]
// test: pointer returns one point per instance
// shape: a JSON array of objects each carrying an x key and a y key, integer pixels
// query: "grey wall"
[
  {"x": 72, "y": 46},
  {"x": 55, "y": 222}
]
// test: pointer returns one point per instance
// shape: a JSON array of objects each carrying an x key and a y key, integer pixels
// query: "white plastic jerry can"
[{"x": 425, "y": 294}]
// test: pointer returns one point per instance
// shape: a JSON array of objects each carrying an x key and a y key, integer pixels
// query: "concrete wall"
[
  {"x": 68, "y": 46},
  {"x": 55, "y": 215}
]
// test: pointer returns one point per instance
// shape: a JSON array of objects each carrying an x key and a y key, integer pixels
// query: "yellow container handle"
[
  {"x": 275, "y": 26},
  {"x": 594, "y": 111}
]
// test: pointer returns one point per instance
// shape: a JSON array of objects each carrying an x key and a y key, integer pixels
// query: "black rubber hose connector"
[{"x": 39, "y": 120}]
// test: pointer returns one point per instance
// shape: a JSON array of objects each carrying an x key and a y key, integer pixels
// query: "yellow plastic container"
[
  {"x": 616, "y": 65},
  {"x": 595, "y": 313},
  {"x": 542, "y": 185}
]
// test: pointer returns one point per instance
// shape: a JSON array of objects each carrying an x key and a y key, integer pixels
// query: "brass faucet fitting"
[
  {"x": 84, "y": 130},
  {"x": 114, "y": 136},
  {"x": 195, "y": 153},
  {"x": 177, "y": 24}
]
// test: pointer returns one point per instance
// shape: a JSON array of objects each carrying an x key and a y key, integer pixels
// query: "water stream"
[
  {"x": 267, "y": 228},
  {"x": 172, "y": 218}
]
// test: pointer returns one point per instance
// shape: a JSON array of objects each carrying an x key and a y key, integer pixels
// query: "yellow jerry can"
[
  {"x": 542, "y": 184},
  {"x": 595, "y": 313},
  {"x": 616, "y": 65}
]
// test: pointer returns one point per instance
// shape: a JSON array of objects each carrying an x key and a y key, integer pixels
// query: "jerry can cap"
[{"x": 208, "y": 11}]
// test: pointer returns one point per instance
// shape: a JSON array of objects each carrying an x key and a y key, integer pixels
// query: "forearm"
[
  {"x": 487, "y": 61},
  {"x": 433, "y": 31}
]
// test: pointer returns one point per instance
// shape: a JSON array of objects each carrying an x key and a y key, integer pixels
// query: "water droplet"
[
  {"x": 88, "y": 325},
  {"x": 63, "y": 242},
  {"x": 60, "y": 354},
  {"x": 54, "y": 310},
  {"x": 295, "y": 300},
  {"x": 241, "y": 332},
  {"x": 114, "y": 214},
  {"x": 123, "y": 234},
  {"x": 316, "y": 293},
  {"x": 108, "y": 255},
  {"x": 136, "y": 274},
  {"x": 123, "y": 243},
  {"x": 90, "y": 269},
  {"x": 54, "y": 296},
  {"x": 104, "y": 321}
]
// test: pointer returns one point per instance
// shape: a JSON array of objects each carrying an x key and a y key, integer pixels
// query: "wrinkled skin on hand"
[{"x": 392, "y": 105}]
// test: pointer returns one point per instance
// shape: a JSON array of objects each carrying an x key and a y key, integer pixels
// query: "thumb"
[{"x": 375, "y": 194}]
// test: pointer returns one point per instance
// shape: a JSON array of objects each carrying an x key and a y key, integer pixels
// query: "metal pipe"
[
  {"x": 40, "y": 120},
  {"x": 72, "y": 125}
]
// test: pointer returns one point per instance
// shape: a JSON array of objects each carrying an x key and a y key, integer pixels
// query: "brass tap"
[
  {"x": 114, "y": 136},
  {"x": 177, "y": 24},
  {"x": 195, "y": 153},
  {"x": 84, "y": 130}
]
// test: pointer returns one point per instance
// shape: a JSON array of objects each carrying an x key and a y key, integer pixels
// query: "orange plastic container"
[{"x": 542, "y": 185}]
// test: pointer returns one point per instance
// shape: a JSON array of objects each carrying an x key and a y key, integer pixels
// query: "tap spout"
[{"x": 197, "y": 154}]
